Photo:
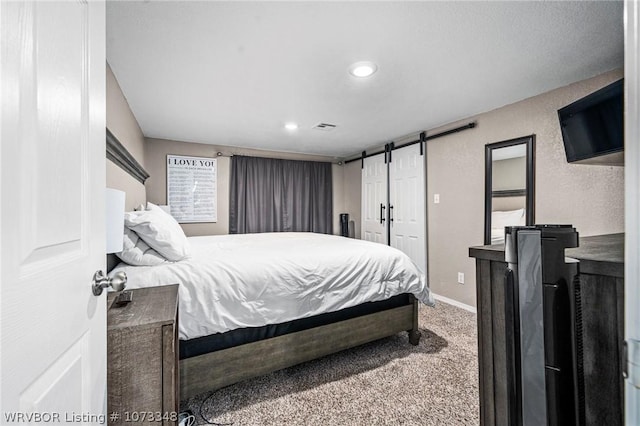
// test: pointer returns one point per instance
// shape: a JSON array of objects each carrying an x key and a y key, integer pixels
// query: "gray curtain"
[{"x": 272, "y": 195}]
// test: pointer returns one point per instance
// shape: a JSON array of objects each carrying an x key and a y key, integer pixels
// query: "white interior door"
[
  {"x": 52, "y": 182},
  {"x": 632, "y": 209},
  {"x": 374, "y": 199},
  {"x": 407, "y": 203}
]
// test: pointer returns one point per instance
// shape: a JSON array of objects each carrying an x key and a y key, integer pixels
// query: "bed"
[
  {"x": 503, "y": 218},
  {"x": 255, "y": 303}
]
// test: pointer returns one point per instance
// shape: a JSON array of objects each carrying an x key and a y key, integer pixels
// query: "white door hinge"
[{"x": 631, "y": 367}]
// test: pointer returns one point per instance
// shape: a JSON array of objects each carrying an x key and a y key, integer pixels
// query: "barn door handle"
[
  {"x": 101, "y": 281},
  {"x": 382, "y": 208},
  {"x": 390, "y": 213}
]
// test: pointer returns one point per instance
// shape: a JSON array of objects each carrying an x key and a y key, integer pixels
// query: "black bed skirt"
[{"x": 219, "y": 341}]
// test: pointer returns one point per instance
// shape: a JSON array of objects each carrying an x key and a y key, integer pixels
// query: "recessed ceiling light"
[
  {"x": 362, "y": 69},
  {"x": 291, "y": 126}
]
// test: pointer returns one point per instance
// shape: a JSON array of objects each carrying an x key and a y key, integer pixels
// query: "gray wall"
[
  {"x": 151, "y": 154},
  {"x": 156, "y": 151},
  {"x": 589, "y": 197},
  {"x": 352, "y": 193},
  {"x": 509, "y": 174},
  {"x": 123, "y": 125}
]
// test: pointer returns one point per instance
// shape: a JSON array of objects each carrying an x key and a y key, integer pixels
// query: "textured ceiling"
[{"x": 232, "y": 73}]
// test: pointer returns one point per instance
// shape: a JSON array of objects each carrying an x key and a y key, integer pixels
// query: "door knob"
[{"x": 101, "y": 281}]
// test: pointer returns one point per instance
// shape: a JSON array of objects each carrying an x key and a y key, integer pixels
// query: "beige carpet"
[{"x": 385, "y": 382}]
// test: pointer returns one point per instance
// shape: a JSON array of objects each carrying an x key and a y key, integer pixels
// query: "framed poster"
[{"x": 192, "y": 188}]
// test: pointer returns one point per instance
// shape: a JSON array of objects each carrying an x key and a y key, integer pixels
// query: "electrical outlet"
[
  {"x": 436, "y": 198},
  {"x": 460, "y": 277}
]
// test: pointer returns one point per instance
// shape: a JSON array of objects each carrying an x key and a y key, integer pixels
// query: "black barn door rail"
[{"x": 423, "y": 138}]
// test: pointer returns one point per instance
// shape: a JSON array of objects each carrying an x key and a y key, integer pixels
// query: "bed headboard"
[
  {"x": 124, "y": 172},
  {"x": 509, "y": 203},
  {"x": 119, "y": 155}
]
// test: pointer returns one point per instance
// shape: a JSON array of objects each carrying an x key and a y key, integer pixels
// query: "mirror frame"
[{"x": 530, "y": 180}]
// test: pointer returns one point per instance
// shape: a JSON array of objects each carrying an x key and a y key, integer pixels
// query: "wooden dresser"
[
  {"x": 142, "y": 357},
  {"x": 602, "y": 301}
]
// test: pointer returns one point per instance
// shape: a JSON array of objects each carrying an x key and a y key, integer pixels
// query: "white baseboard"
[{"x": 456, "y": 303}]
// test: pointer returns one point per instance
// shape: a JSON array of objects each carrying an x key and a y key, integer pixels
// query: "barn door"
[
  {"x": 374, "y": 199},
  {"x": 52, "y": 186},
  {"x": 407, "y": 203}
]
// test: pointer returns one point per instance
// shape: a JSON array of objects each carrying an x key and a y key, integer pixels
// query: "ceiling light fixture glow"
[
  {"x": 362, "y": 69},
  {"x": 291, "y": 126}
]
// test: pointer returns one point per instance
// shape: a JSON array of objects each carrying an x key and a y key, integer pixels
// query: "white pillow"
[
  {"x": 500, "y": 219},
  {"x": 161, "y": 231},
  {"x": 137, "y": 253},
  {"x": 151, "y": 206}
]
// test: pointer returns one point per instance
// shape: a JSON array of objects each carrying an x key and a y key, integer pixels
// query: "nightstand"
[{"x": 142, "y": 357}]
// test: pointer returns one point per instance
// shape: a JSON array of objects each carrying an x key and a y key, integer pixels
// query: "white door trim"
[{"x": 632, "y": 194}]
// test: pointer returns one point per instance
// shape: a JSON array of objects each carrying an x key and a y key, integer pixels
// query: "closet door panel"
[
  {"x": 407, "y": 203},
  {"x": 374, "y": 199}
]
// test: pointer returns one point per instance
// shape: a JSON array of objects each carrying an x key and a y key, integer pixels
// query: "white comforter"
[{"x": 251, "y": 280}]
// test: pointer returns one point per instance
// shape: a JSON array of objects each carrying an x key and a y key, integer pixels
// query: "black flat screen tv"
[{"x": 593, "y": 127}]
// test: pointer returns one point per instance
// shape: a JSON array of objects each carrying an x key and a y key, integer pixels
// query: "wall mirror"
[{"x": 509, "y": 186}]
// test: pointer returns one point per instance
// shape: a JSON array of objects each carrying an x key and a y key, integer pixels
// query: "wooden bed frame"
[
  {"x": 222, "y": 368},
  {"x": 215, "y": 370}
]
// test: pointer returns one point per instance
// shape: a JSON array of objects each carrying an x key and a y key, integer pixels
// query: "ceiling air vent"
[{"x": 325, "y": 127}]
